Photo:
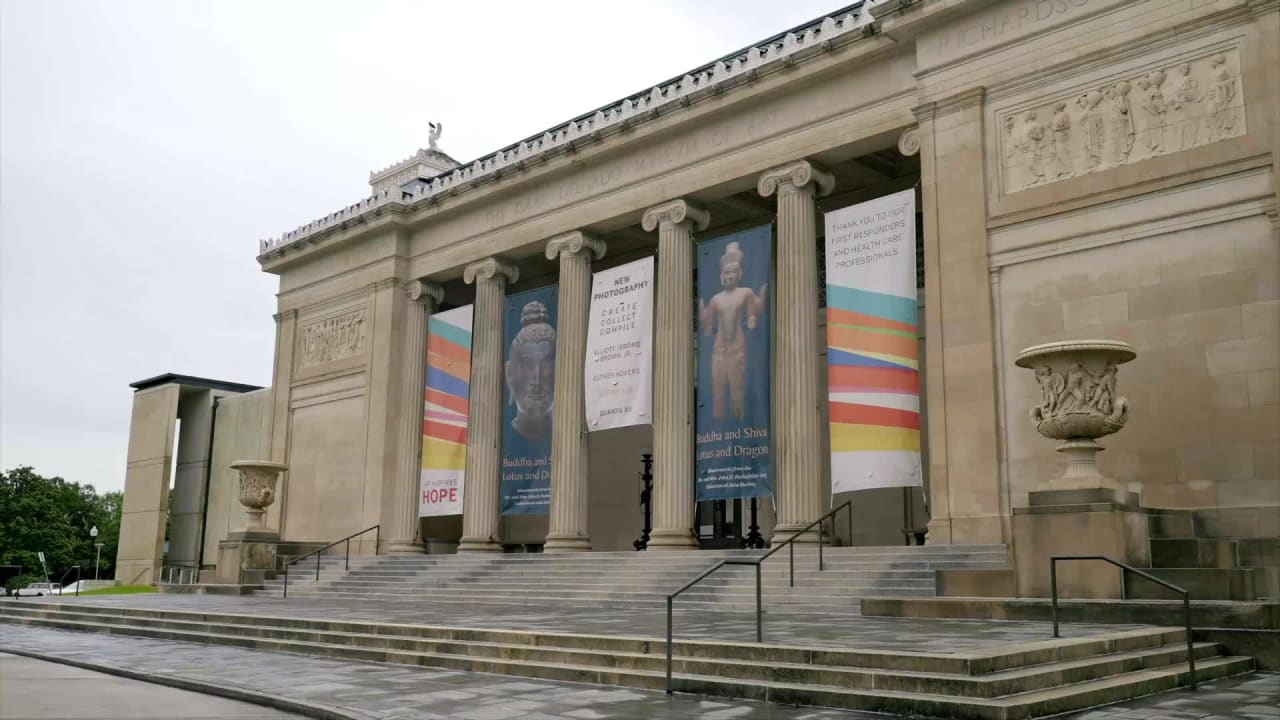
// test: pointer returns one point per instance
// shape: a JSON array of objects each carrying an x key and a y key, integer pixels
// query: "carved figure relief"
[
  {"x": 1159, "y": 111},
  {"x": 1078, "y": 391},
  {"x": 333, "y": 338}
]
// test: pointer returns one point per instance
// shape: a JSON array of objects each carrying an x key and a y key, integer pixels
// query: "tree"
[{"x": 54, "y": 516}]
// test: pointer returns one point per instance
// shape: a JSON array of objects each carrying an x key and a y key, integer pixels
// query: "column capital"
[
  {"x": 799, "y": 174},
  {"x": 675, "y": 212},
  {"x": 575, "y": 243},
  {"x": 488, "y": 269},
  {"x": 427, "y": 293},
  {"x": 909, "y": 141}
]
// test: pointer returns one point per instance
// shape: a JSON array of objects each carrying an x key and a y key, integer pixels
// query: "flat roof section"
[{"x": 192, "y": 381}]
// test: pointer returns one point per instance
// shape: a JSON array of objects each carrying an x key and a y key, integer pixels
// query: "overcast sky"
[{"x": 146, "y": 147}]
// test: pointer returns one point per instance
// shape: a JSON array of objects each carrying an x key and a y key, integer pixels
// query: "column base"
[
  {"x": 566, "y": 544},
  {"x": 478, "y": 545},
  {"x": 404, "y": 547},
  {"x": 672, "y": 540},
  {"x": 781, "y": 533},
  {"x": 938, "y": 531}
]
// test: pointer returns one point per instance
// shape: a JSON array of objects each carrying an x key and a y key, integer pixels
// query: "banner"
[
  {"x": 872, "y": 344},
  {"x": 444, "y": 418},
  {"x": 618, "y": 381},
  {"x": 733, "y": 408},
  {"x": 529, "y": 381}
]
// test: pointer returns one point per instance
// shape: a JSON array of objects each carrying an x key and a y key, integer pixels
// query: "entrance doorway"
[{"x": 720, "y": 524}]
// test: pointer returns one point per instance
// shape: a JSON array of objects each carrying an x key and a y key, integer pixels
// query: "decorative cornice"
[
  {"x": 575, "y": 243},
  {"x": 958, "y": 101},
  {"x": 675, "y": 212},
  {"x": 798, "y": 174},
  {"x": 909, "y": 142},
  {"x": 800, "y": 44},
  {"x": 925, "y": 112},
  {"x": 426, "y": 293},
  {"x": 490, "y": 269}
]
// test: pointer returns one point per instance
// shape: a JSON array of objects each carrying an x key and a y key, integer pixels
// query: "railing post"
[
  {"x": 669, "y": 601},
  {"x": 377, "y": 537},
  {"x": 791, "y": 550},
  {"x": 848, "y": 514},
  {"x": 1191, "y": 646},
  {"x": 318, "y": 566},
  {"x": 759, "y": 607},
  {"x": 348, "y": 553},
  {"x": 820, "y": 568},
  {"x": 1053, "y": 590},
  {"x": 286, "y": 580}
]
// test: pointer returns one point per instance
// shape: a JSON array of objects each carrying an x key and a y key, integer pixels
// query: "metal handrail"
[
  {"x": 846, "y": 505},
  {"x": 1186, "y": 599},
  {"x": 63, "y": 582},
  {"x": 377, "y": 540}
]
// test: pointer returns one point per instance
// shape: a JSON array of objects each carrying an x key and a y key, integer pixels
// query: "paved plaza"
[
  {"x": 38, "y": 690},
  {"x": 365, "y": 691},
  {"x": 825, "y": 629}
]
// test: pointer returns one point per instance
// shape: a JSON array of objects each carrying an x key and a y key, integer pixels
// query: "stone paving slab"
[
  {"x": 846, "y": 630},
  {"x": 394, "y": 692},
  {"x": 37, "y": 690}
]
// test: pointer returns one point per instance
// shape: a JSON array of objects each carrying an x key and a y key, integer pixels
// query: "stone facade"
[{"x": 1086, "y": 169}]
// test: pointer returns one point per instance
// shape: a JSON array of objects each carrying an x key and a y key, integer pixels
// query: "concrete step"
[
  {"x": 1019, "y": 682},
  {"x": 1201, "y": 583}
]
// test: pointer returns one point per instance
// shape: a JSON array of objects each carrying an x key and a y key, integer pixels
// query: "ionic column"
[
  {"x": 568, "y": 529},
  {"x": 797, "y": 409},
  {"x": 673, "y": 374},
  {"x": 484, "y": 418},
  {"x": 423, "y": 299}
]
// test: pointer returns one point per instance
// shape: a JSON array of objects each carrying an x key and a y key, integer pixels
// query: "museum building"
[{"x": 1071, "y": 170}]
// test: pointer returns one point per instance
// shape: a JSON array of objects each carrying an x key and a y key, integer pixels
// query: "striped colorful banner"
[
  {"x": 873, "y": 380},
  {"x": 444, "y": 418}
]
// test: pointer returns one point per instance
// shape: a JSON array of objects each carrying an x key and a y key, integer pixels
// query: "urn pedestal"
[
  {"x": 1082, "y": 512},
  {"x": 248, "y": 557}
]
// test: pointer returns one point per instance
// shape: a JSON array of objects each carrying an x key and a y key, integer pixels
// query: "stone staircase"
[
  {"x": 1011, "y": 682},
  {"x": 630, "y": 579},
  {"x": 1231, "y": 554}
]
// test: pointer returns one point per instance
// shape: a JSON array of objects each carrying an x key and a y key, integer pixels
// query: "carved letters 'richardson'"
[
  {"x": 1163, "y": 110},
  {"x": 334, "y": 338}
]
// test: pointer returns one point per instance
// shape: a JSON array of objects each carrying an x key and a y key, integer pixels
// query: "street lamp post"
[{"x": 93, "y": 533}]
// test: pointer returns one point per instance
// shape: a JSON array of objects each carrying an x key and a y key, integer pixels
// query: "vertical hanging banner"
[
  {"x": 529, "y": 381},
  {"x": 733, "y": 404},
  {"x": 444, "y": 420},
  {"x": 618, "y": 381},
  {"x": 872, "y": 345}
]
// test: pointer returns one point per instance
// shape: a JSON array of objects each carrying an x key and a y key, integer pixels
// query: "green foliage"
[
  {"x": 122, "y": 590},
  {"x": 54, "y": 516},
  {"x": 21, "y": 581}
]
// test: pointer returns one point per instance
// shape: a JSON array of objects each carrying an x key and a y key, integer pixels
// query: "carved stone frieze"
[
  {"x": 1159, "y": 111},
  {"x": 334, "y": 338}
]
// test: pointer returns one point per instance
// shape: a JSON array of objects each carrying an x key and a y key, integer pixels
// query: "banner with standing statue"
[
  {"x": 444, "y": 418},
  {"x": 733, "y": 414},
  {"x": 618, "y": 382},
  {"x": 872, "y": 344},
  {"x": 529, "y": 384}
]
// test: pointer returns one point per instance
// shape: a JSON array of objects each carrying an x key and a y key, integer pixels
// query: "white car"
[{"x": 38, "y": 590}]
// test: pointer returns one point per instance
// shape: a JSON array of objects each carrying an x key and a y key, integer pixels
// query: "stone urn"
[
  {"x": 258, "y": 488},
  {"x": 1078, "y": 402}
]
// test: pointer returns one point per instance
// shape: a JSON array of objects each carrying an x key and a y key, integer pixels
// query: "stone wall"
[{"x": 239, "y": 433}]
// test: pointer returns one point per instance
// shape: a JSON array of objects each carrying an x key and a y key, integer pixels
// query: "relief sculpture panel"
[
  {"x": 333, "y": 338},
  {"x": 1159, "y": 111}
]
